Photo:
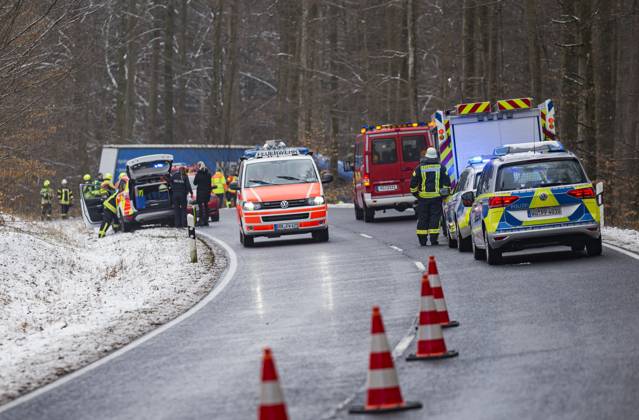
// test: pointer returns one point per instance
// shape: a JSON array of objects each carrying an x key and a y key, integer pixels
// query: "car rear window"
[
  {"x": 546, "y": 173},
  {"x": 412, "y": 147},
  {"x": 384, "y": 151}
]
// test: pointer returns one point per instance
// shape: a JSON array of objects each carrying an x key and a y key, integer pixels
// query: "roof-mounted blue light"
[{"x": 534, "y": 147}]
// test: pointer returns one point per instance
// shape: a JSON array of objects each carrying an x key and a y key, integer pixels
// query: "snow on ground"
[
  {"x": 67, "y": 298},
  {"x": 623, "y": 238}
]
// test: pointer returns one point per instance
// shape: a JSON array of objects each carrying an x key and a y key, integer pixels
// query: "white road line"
[
  {"x": 622, "y": 250},
  {"x": 217, "y": 289},
  {"x": 365, "y": 236},
  {"x": 420, "y": 266},
  {"x": 396, "y": 248}
]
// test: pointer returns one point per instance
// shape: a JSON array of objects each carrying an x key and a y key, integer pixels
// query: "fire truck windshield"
[{"x": 280, "y": 172}]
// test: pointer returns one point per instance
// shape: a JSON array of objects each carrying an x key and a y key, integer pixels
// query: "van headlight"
[
  {"x": 316, "y": 201},
  {"x": 250, "y": 206}
]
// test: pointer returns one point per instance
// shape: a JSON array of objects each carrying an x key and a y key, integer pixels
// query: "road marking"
[
  {"x": 396, "y": 248},
  {"x": 420, "y": 266},
  {"x": 365, "y": 236},
  {"x": 217, "y": 289},
  {"x": 622, "y": 250}
]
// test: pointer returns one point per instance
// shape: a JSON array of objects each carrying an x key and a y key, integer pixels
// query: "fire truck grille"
[
  {"x": 278, "y": 204},
  {"x": 283, "y": 217}
]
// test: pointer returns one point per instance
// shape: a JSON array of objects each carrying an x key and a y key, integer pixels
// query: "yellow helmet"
[
  {"x": 86, "y": 177},
  {"x": 106, "y": 184},
  {"x": 108, "y": 176},
  {"x": 122, "y": 175},
  {"x": 46, "y": 183}
]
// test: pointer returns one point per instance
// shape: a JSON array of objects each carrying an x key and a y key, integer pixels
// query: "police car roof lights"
[
  {"x": 479, "y": 159},
  {"x": 535, "y": 147}
]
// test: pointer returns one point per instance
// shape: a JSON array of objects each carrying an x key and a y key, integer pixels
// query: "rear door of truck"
[
  {"x": 385, "y": 168},
  {"x": 412, "y": 143}
]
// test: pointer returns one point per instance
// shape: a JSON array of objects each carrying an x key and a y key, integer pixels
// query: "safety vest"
[
  {"x": 430, "y": 182},
  {"x": 65, "y": 196},
  {"x": 219, "y": 184},
  {"x": 229, "y": 181},
  {"x": 109, "y": 203},
  {"x": 46, "y": 195}
]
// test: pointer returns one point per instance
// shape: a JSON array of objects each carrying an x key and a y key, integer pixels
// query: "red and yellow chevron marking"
[
  {"x": 510, "y": 104},
  {"x": 473, "y": 108}
]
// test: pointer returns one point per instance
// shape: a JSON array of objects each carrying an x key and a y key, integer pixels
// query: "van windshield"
[
  {"x": 280, "y": 172},
  {"x": 547, "y": 173}
]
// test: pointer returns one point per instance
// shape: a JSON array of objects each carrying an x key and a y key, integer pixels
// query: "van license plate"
[
  {"x": 544, "y": 211},
  {"x": 386, "y": 187},
  {"x": 287, "y": 226}
]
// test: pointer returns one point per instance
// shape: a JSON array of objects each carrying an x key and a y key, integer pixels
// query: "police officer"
[
  {"x": 109, "y": 212},
  {"x": 428, "y": 182},
  {"x": 203, "y": 182},
  {"x": 181, "y": 186},
  {"x": 65, "y": 198}
]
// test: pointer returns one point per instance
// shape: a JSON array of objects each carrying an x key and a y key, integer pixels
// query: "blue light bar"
[{"x": 534, "y": 147}]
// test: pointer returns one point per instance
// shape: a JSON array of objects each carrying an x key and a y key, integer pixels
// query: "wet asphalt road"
[{"x": 549, "y": 335}]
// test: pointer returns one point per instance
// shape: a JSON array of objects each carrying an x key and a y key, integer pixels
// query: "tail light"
[
  {"x": 502, "y": 201},
  {"x": 367, "y": 182},
  {"x": 588, "y": 192}
]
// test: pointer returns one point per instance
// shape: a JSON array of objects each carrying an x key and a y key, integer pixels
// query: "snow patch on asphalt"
[
  {"x": 623, "y": 238},
  {"x": 66, "y": 298}
]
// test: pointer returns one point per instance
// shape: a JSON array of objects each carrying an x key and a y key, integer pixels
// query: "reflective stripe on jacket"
[
  {"x": 219, "y": 183},
  {"x": 46, "y": 195},
  {"x": 65, "y": 195},
  {"x": 109, "y": 203},
  {"x": 428, "y": 178}
]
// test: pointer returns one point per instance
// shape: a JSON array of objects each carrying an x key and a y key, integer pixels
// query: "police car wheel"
[
  {"x": 478, "y": 254},
  {"x": 493, "y": 256},
  {"x": 452, "y": 243},
  {"x": 594, "y": 247}
]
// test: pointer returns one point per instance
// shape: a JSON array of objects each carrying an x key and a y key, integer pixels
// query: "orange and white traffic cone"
[
  {"x": 438, "y": 295},
  {"x": 430, "y": 338},
  {"x": 383, "y": 394},
  {"x": 272, "y": 406}
]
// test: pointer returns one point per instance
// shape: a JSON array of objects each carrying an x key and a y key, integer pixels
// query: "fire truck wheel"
[
  {"x": 369, "y": 214},
  {"x": 359, "y": 213}
]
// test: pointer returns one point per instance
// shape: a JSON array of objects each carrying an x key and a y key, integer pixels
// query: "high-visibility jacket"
[
  {"x": 65, "y": 195},
  {"x": 46, "y": 195},
  {"x": 231, "y": 179},
  {"x": 219, "y": 183},
  {"x": 109, "y": 204},
  {"x": 428, "y": 178}
]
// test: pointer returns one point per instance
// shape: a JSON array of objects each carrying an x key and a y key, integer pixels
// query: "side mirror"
[
  {"x": 233, "y": 186},
  {"x": 327, "y": 178},
  {"x": 468, "y": 198}
]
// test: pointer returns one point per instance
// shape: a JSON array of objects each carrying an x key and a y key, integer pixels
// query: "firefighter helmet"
[
  {"x": 46, "y": 183},
  {"x": 108, "y": 176},
  {"x": 86, "y": 177}
]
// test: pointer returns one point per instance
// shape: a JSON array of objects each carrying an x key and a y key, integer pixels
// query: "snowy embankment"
[
  {"x": 623, "y": 238},
  {"x": 67, "y": 298}
]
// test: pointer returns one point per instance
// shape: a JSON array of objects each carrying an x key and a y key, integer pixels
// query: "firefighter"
[
  {"x": 87, "y": 187},
  {"x": 430, "y": 179},
  {"x": 230, "y": 193},
  {"x": 181, "y": 187},
  {"x": 203, "y": 194},
  {"x": 65, "y": 198},
  {"x": 109, "y": 211},
  {"x": 46, "y": 198},
  {"x": 219, "y": 186}
]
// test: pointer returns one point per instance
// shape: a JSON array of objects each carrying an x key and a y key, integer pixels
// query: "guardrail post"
[{"x": 190, "y": 221}]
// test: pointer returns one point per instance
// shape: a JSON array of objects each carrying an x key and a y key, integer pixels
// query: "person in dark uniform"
[
  {"x": 428, "y": 182},
  {"x": 181, "y": 187},
  {"x": 203, "y": 193}
]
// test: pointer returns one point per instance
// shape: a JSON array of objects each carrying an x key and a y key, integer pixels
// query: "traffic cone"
[
  {"x": 430, "y": 339},
  {"x": 272, "y": 406},
  {"x": 383, "y": 394},
  {"x": 438, "y": 295}
]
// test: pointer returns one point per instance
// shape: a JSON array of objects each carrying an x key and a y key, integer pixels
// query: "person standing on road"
[
  {"x": 181, "y": 187},
  {"x": 203, "y": 193},
  {"x": 428, "y": 182},
  {"x": 46, "y": 198},
  {"x": 65, "y": 198},
  {"x": 219, "y": 186},
  {"x": 231, "y": 194}
]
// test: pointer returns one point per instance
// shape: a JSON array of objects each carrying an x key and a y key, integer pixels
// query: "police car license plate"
[
  {"x": 386, "y": 187},
  {"x": 544, "y": 211},
  {"x": 287, "y": 226}
]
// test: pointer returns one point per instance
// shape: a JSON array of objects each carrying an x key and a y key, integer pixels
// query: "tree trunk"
[
  {"x": 568, "y": 106},
  {"x": 152, "y": 121},
  {"x": 534, "y": 55},
  {"x": 493, "y": 49},
  {"x": 131, "y": 67},
  {"x": 412, "y": 63},
  {"x": 230, "y": 74},
  {"x": 180, "y": 113},
  {"x": 215, "y": 116},
  {"x": 468, "y": 49},
  {"x": 302, "y": 70},
  {"x": 586, "y": 128},
  {"x": 168, "y": 73}
]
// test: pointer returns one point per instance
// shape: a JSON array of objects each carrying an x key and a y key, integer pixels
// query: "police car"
[
  {"x": 280, "y": 192},
  {"x": 457, "y": 211},
  {"x": 533, "y": 195}
]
